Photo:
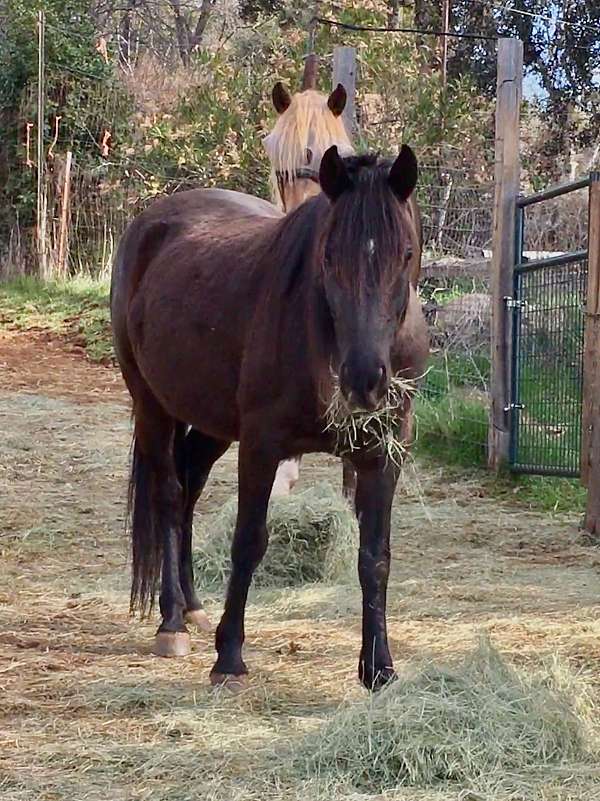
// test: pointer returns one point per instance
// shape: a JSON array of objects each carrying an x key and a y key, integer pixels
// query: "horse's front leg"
[
  {"x": 257, "y": 464},
  {"x": 376, "y": 482}
]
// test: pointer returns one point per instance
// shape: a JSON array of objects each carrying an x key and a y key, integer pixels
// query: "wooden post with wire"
[
  {"x": 63, "y": 239},
  {"x": 590, "y": 441},
  {"x": 41, "y": 205},
  {"x": 344, "y": 72},
  {"x": 507, "y": 182}
]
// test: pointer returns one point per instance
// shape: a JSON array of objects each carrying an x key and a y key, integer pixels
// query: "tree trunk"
[
  {"x": 205, "y": 12},
  {"x": 125, "y": 35},
  {"x": 428, "y": 17},
  {"x": 428, "y": 14},
  {"x": 182, "y": 32}
]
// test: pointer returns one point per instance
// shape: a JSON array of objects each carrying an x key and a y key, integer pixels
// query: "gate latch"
[
  {"x": 512, "y": 406},
  {"x": 511, "y": 303}
]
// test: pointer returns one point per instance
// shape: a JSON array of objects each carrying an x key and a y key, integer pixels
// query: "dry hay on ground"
[
  {"x": 313, "y": 536},
  {"x": 481, "y": 724},
  {"x": 87, "y": 713}
]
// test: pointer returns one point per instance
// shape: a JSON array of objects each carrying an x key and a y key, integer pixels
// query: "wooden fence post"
[
  {"x": 507, "y": 182},
  {"x": 41, "y": 199},
  {"x": 344, "y": 72},
  {"x": 590, "y": 441},
  {"x": 63, "y": 239}
]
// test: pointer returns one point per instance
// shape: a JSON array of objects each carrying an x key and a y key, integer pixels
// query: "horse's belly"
[{"x": 193, "y": 371}]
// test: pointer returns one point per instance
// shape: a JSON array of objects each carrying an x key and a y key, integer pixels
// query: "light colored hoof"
[
  {"x": 199, "y": 619},
  {"x": 172, "y": 643},
  {"x": 234, "y": 684}
]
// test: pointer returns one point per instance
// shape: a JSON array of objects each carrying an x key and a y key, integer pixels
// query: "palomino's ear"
[
  {"x": 337, "y": 100},
  {"x": 404, "y": 173},
  {"x": 281, "y": 97},
  {"x": 333, "y": 175}
]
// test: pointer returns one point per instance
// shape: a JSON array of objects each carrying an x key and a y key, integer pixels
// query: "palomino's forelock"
[{"x": 306, "y": 123}]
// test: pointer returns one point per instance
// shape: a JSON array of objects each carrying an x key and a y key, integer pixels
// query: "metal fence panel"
[{"x": 548, "y": 334}]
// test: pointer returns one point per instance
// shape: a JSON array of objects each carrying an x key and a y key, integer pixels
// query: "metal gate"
[{"x": 548, "y": 318}]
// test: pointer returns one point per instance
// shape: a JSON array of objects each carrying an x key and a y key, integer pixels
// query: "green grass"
[
  {"x": 452, "y": 429},
  {"x": 450, "y": 412},
  {"x": 449, "y": 370},
  {"x": 76, "y": 309},
  {"x": 542, "y": 493}
]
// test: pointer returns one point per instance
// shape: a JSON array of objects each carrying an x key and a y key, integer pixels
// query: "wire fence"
[
  {"x": 456, "y": 201},
  {"x": 110, "y": 182}
]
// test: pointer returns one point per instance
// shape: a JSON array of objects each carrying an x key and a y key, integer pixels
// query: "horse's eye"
[
  {"x": 309, "y": 155},
  {"x": 409, "y": 254}
]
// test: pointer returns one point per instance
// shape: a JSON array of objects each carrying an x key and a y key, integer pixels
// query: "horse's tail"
[{"x": 146, "y": 544}]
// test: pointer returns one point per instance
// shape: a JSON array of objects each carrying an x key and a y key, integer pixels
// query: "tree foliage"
[{"x": 182, "y": 88}]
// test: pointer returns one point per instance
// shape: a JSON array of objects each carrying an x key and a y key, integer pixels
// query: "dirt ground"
[{"x": 86, "y": 712}]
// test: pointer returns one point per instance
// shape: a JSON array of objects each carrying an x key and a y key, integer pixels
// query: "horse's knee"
[{"x": 249, "y": 547}]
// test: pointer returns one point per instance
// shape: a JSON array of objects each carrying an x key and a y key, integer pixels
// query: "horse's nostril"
[{"x": 377, "y": 378}]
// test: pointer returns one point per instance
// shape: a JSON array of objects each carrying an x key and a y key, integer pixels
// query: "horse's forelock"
[{"x": 367, "y": 231}]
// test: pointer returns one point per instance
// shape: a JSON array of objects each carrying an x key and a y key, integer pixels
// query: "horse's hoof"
[
  {"x": 378, "y": 680},
  {"x": 234, "y": 684},
  {"x": 199, "y": 619},
  {"x": 172, "y": 643}
]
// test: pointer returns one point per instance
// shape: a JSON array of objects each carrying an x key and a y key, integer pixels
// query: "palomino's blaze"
[{"x": 229, "y": 318}]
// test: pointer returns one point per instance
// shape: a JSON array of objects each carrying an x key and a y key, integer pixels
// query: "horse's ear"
[
  {"x": 404, "y": 173},
  {"x": 281, "y": 97},
  {"x": 333, "y": 175},
  {"x": 337, "y": 100}
]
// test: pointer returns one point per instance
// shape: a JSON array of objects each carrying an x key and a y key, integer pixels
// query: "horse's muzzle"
[{"x": 364, "y": 388}]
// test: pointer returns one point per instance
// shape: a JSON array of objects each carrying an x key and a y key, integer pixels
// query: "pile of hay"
[
  {"x": 481, "y": 724},
  {"x": 313, "y": 536}
]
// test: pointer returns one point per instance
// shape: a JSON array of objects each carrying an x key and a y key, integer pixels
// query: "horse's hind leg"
[
  {"x": 156, "y": 540},
  {"x": 286, "y": 477},
  {"x": 195, "y": 455}
]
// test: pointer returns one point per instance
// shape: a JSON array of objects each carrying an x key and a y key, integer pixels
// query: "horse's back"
[
  {"x": 187, "y": 209},
  {"x": 221, "y": 212}
]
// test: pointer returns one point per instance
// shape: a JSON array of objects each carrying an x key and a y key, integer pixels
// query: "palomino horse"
[
  {"x": 236, "y": 321},
  {"x": 309, "y": 123}
]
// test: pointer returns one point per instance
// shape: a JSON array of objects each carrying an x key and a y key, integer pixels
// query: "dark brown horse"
[
  {"x": 309, "y": 123},
  {"x": 235, "y": 320}
]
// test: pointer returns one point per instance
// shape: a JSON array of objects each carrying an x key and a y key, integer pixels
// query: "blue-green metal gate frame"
[{"x": 548, "y": 320}]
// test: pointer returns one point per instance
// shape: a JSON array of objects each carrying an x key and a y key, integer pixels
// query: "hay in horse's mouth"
[{"x": 380, "y": 429}]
